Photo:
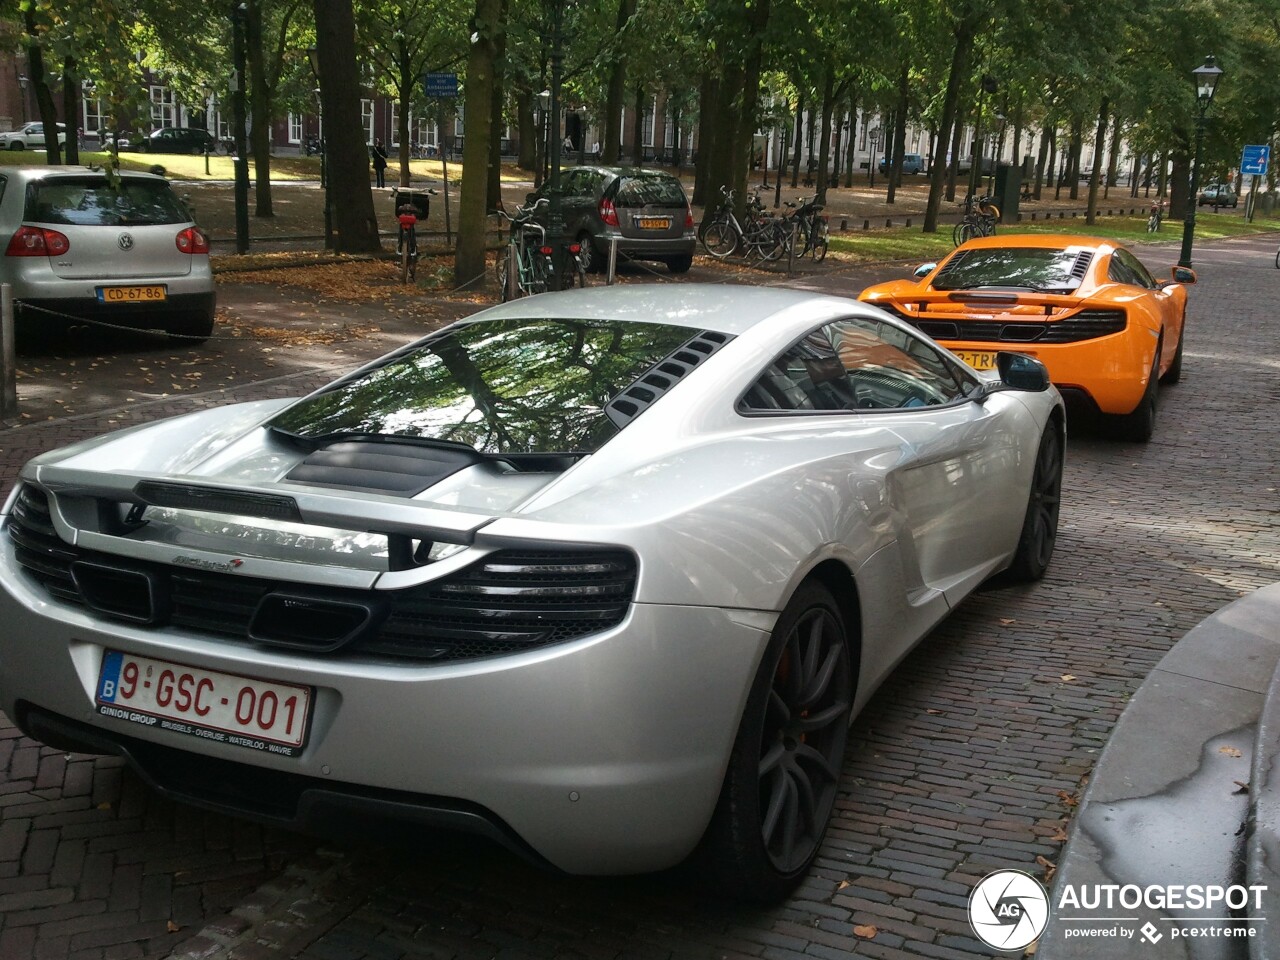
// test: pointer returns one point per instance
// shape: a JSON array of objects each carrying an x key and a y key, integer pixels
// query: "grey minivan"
[
  {"x": 120, "y": 249},
  {"x": 646, "y": 210}
]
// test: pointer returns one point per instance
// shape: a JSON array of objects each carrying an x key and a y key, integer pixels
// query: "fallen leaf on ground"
[
  {"x": 173, "y": 927},
  {"x": 1243, "y": 787},
  {"x": 1229, "y": 751},
  {"x": 1032, "y": 947},
  {"x": 843, "y": 884},
  {"x": 866, "y": 931},
  {"x": 1059, "y": 835},
  {"x": 931, "y": 710},
  {"x": 1067, "y": 798},
  {"x": 1006, "y": 621},
  {"x": 1068, "y": 677}
]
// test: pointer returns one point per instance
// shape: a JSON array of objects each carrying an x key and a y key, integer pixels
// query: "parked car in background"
[
  {"x": 1107, "y": 330},
  {"x": 124, "y": 251},
  {"x": 633, "y": 556},
  {"x": 30, "y": 136},
  {"x": 1217, "y": 195},
  {"x": 646, "y": 211},
  {"x": 911, "y": 163},
  {"x": 179, "y": 140}
]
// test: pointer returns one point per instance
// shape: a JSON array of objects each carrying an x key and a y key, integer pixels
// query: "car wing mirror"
[
  {"x": 1183, "y": 275},
  {"x": 1021, "y": 372},
  {"x": 924, "y": 270}
]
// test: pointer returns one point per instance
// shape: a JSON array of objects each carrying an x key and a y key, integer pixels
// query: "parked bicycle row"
[{"x": 802, "y": 231}]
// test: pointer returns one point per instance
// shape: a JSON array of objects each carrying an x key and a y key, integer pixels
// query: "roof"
[
  {"x": 34, "y": 173},
  {"x": 1044, "y": 241},
  {"x": 726, "y": 308}
]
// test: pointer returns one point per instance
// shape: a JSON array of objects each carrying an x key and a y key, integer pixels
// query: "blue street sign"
[
  {"x": 1255, "y": 159},
  {"x": 440, "y": 84}
]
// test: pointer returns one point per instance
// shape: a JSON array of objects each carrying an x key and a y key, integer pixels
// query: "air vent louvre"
[{"x": 675, "y": 367}]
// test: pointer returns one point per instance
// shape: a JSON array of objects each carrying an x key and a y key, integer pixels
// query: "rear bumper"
[{"x": 43, "y": 313}]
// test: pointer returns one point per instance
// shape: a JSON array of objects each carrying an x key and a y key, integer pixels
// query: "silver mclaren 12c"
[{"x": 604, "y": 575}]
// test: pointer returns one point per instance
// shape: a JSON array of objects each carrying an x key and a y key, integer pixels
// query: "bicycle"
[
  {"x": 812, "y": 229},
  {"x": 1157, "y": 216},
  {"x": 722, "y": 234},
  {"x": 534, "y": 265},
  {"x": 407, "y": 239},
  {"x": 980, "y": 222}
]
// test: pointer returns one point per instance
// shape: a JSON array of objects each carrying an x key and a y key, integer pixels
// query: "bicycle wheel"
[
  {"x": 720, "y": 239},
  {"x": 962, "y": 232},
  {"x": 821, "y": 242},
  {"x": 406, "y": 258},
  {"x": 988, "y": 227},
  {"x": 536, "y": 277},
  {"x": 1152, "y": 224},
  {"x": 1278, "y": 259},
  {"x": 500, "y": 269}
]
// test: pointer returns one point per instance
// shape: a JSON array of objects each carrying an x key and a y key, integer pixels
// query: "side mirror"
[
  {"x": 924, "y": 270},
  {"x": 1021, "y": 372},
  {"x": 1184, "y": 275}
]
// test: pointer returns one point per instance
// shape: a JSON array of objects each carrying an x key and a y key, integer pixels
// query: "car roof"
[
  {"x": 724, "y": 308},
  {"x": 46, "y": 172},
  {"x": 1039, "y": 241},
  {"x": 624, "y": 171}
]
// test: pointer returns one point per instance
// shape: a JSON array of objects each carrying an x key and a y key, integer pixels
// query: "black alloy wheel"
[
  {"x": 1040, "y": 524},
  {"x": 784, "y": 771}
]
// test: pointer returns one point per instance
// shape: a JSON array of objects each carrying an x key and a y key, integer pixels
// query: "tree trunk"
[
  {"x": 838, "y": 130},
  {"x": 498, "y": 99},
  {"x": 617, "y": 86},
  {"x": 1046, "y": 136},
  {"x": 70, "y": 108},
  {"x": 1095, "y": 178},
  {"x": 1077, "y": 148},
  {"x": 719, "y": 163},
  {"x": 938, "y": 168},
  {"x": 44, "y": 97},
  {"x": 347, "y": 156},
  {"x": 708, "y": 109},
  {"x": 468, "y": 262},
  {"x": 795, "y": 159},
  {"x": 745, "y": 126},
  {"x": 259, "y": 110},
  {"x": 527, "y": 130},
  {"x": 899, "y": 132},
  {"x": 1113, "y": 161},
  {"x": 824, "y": 132},
  {"x": 1179, "y": 182},
  {"x": 637, "y": 129},
  {"x": 849, "y": 151}
]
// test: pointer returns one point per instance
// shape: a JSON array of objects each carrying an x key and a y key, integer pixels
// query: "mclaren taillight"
[
  {"x": 37, "y": 242},
  {"x": 192, "y": 241},
  {"x": 608, "y": 212}
]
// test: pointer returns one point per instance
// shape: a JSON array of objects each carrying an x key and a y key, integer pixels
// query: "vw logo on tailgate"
[{"x": 125, "y": 240}]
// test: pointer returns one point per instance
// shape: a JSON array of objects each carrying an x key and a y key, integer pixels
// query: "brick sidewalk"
[{"x": 965, "y": 761}]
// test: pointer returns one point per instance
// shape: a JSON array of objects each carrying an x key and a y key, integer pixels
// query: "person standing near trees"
[{"x": 379, "y": 163}]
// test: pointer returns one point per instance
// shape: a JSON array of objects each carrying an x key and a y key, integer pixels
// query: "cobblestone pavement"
[{"x": 968, "y": 759}]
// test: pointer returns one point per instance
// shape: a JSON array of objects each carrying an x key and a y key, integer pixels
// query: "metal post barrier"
[
  {"x": 791, "y": 250},
  {"x": 613, "y": 261},
  {"x": 8, "y": 362},
  {"x": 513, "y": 267}
]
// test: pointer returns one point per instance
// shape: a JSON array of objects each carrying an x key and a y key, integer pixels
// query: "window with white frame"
[
  {"x": 393, "y": 135},
  {"x": 164, "y": 107},
  {"x": 457, "y": 121},
  {"x": 647, "y": 124},
  {"x": 295, "y": 128},
  {"x": 863, "y": 142},
  {"x": 366, "y": 118},
  {"x": 915, "y": 142},
  {"x": 91, "y": 110}
]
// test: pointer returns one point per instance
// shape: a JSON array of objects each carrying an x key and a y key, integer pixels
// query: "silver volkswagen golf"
[
  {"x": 121, "y": 249},
  {"x": 603, "y": 575}
]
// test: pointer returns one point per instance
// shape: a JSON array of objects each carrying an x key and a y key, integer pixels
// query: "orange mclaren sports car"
[{"x": 1108, "y": 331}]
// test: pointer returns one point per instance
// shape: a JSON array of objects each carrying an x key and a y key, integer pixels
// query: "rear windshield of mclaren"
[
  {"x": 1039, "y": 269},
  {"x": 502, "y": 387}
]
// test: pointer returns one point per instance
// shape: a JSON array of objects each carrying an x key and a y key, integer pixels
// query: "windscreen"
[
  {"x": 513, "y": 386},
  {"x": 1013, "y": 268},
  {"x": 93, "y": 201},
  {"x": 641, "y": 191}
]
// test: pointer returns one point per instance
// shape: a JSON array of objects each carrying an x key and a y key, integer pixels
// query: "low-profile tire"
[
  {"x": 784, "y": 770},
  {"x": 192, "y": 329},
  {"x": 1040, "y": 524},
  {"x": 1138, "y": 426},
  {"x": 1174, "y": 373},
  {"x": 17, "y": 145},
  {"x": 679, "y": 264}
]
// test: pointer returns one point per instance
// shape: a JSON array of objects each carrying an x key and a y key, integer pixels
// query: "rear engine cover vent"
[
  {"x": 662, "y": 376},
  {"x": 398, "y": 469}
]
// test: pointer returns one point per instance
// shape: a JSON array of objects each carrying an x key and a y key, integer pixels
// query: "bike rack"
[{"x": 613, "y": 261}]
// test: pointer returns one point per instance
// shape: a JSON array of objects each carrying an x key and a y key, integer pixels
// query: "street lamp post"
[
  {"x": 314, "y": 55},
  {"x": 555, "y": 219},
  {"x": 582, "y": 135},
  {"x": 874, "y": 136},
  {"x": 1206, "y": 78},
  {"x": 544, "y": 135},
  {"x": 239, "y": 56}
]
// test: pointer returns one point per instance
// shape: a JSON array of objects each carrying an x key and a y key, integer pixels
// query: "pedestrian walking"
[{"x": 379, "y": 162}]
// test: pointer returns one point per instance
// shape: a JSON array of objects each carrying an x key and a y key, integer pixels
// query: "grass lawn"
[{"x": 910, "y": 244}]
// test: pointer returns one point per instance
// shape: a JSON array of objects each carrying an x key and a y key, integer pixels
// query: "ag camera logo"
[{"x": 1008, "y": 909}]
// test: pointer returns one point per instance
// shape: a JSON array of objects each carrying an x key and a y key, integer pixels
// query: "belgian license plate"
[
  {"x": 653, "y": 223},
  {"x": 222, "y": 707},
  {"x": 978, "y": 359},
  {"x": 153, "y": 293}
]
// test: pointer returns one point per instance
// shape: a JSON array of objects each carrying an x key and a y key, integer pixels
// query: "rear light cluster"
[
  {"x": 37, "y": 242},
  {"x": 608, "y": 213},
  {"x": 192, "y": 241},
  {"x": 688, "y": 218}
]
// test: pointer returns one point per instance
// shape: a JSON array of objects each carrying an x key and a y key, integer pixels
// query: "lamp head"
[{"x": 1206, "y": 78}]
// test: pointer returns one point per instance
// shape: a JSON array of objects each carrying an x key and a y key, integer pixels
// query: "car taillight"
[
  {"x": 192, "y": 241},
  {"x": 37, "y": 242},
  {"x": 688, "y": 218},
  {"x": 575, "y": 248},
  {"x": 608, "y": 213},
  {"x": 545, "y": 251}
]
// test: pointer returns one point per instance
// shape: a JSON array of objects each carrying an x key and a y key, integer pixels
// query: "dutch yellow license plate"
[
  {"x": 978, "y": 359},
  {"x": 153, "y": 293},
  {"x": 653, "y": 223}
]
